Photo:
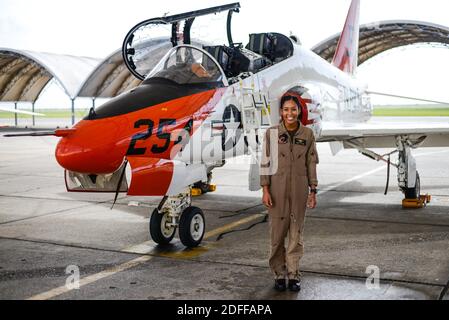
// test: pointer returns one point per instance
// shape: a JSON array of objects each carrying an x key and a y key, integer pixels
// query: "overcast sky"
[{"x": 96, "y": 28}]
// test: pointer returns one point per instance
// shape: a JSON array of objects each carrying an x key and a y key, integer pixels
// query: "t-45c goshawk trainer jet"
[{"x": 203, "y": 103}]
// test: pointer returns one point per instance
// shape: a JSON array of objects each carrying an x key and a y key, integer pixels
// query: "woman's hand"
[
  {"x": 266, "y": 198},
  {"x": 311, "y": 201}
]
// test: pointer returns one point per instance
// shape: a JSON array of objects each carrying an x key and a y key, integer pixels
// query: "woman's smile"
[{"x": 290, "y": 113}]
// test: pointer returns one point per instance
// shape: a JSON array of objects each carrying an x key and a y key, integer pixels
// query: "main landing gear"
[
  {"x": 408, "y": 177},
  {"x": 176, "y": 212}
]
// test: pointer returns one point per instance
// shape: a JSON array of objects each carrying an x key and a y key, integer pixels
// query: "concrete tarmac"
[{"x": 47, "y": 235}]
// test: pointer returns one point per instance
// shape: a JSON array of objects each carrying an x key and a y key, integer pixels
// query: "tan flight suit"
[{"x": 289, "y": 189}]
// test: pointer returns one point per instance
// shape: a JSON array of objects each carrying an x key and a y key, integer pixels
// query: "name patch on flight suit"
[
  {"x": 283, "y": 139},
  {"x": 300, "y": 142}
]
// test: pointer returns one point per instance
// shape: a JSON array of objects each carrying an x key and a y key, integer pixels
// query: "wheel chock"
[
  {"x": 416, "y": 203},
  {"x": 196, "y": 192},
  {"x": 212, "y": 187}
]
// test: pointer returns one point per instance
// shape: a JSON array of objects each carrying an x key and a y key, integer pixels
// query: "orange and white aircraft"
[{"x": 203, "y": 103}]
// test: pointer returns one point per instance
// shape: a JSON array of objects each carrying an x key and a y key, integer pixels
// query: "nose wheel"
[
  {"x": 162, "y": 230},
  {"x": 176, "y": 212},
  {"x": 191, "y": 227}
]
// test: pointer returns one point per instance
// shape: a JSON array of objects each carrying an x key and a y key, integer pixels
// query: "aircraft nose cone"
[{"x": 91, "y": 149}]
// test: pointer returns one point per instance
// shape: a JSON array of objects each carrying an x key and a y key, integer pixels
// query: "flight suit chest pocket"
[{"x": 299, "y": 147}]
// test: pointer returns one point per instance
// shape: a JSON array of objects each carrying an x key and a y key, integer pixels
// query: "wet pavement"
[{"x": 46, "y": 233}]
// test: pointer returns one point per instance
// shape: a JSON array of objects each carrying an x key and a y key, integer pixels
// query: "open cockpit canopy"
[
  {"x": 235, "y": 61},
  {"x": 176, "y": 28}
]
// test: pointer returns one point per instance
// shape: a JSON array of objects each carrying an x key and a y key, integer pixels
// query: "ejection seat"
[
  {"x": 275, "y": 47},
  {"x": 219, "y": 53},
  {"x": 231, "y": 60}
]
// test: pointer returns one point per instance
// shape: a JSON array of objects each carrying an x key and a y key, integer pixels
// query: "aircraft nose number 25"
[{"x": 165, "y": 137}]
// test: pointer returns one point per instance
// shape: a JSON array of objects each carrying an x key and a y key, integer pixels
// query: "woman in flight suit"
[{"x": 286, "y": 189}]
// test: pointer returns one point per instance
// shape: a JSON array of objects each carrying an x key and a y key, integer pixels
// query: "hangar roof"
[
  {"x": 111, "y": 77},
  {"x": 108, "y": 79},
  {"x": 24, "y": 74},
  {"x": 378, "y": 37}
]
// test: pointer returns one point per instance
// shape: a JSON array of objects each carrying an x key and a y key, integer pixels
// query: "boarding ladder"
[{"x": 255, "y": 109}]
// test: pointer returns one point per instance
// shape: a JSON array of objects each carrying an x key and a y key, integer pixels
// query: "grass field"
[
  {"x": 383, "y": 111},
  {"x": 411, "y": 111}
]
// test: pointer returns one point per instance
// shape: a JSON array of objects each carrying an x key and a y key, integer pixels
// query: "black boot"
[
  {"x": 280, "y": 285},
  {"x": 294, "y": 285}
]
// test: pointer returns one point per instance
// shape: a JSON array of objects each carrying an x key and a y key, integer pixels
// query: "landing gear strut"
[{"x": 176, "y": 212}]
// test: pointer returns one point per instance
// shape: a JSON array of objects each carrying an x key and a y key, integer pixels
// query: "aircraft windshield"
[{"x": 188, "y": 65}]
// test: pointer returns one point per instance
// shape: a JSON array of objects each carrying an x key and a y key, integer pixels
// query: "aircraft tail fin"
[{"x": 346, "y": 55}]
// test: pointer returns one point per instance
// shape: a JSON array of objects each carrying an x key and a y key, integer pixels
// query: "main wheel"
[
  {"x": 414, "y": 193},
  {"x": 160, "y": 230},
  {"x": 191, "y": 227}
]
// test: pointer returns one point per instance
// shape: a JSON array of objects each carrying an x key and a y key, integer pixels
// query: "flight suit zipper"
[
  {"x": 291, "y": 173},
  {"x": 292, "y": 159}
]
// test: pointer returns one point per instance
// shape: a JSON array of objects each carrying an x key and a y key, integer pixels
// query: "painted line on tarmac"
[
  {"x": 358, "y": 177},
  {"x": 144, "y": 248},
  {"x": 177, "y": 250},
  {"x": 90, "y": 279},
  {"x": 363, "y": 175}
]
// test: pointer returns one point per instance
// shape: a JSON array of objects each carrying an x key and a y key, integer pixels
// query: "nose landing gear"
[{"x": 176, "y": 212}]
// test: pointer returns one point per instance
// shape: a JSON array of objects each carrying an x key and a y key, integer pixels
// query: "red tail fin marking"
[{"x": 346, "y": 55}]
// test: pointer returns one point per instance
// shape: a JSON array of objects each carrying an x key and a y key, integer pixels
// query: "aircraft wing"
[
  {"x": 21, "y": 111},
  {"x": 382, "y": 134}
]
